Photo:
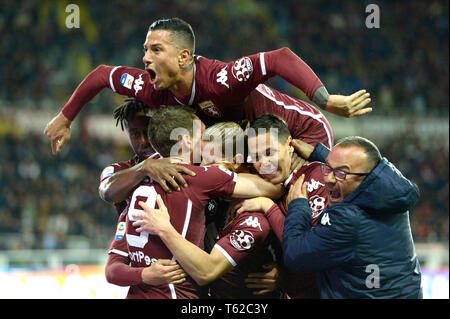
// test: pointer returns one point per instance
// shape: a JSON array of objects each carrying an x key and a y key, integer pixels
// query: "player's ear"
[
  {"x": 184, "y": 58},
  {"x": 289, "y": 144}
]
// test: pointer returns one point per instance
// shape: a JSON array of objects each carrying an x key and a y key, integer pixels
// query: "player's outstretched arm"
[
  {"x": 201, "y": 266},
  {"x": 119, "y": 186},
  {"x": 286, "y": 64},
  {"x": 118, "y": 79},
  {"x": 163, "y": 271},
  {"x": 58, "y": 129},
  {"x": 252, "y": 185},
  {"x": 271, "y": 210}
]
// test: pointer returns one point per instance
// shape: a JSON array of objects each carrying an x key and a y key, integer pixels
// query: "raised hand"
[
  {"x": 298, "y": 190},
  {"x": 349, "y": 105},
  {"x": 153, "y": 220},
  {"x": 166, "y": 173},
  {"x": 163, "y": 271}
]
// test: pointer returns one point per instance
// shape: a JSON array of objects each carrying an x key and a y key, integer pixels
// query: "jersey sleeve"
[
  {"x": 287, "y": 65},
  {"x": 117, "y": 269},
  {"x": 328, "y": 244},
  {"x": 241, "y": 76},
  {"x": 119, "y": 244},
  {"x": 110, "y": 170},
  {"x": 249, "y": 232},
  {"x": 236, "y": 79},
  {"x": 276, "y": 219},
  {"x": 131, "y": 82},
  {"x": 211, "y": 182},
  {"x": 124, "y": 80}
]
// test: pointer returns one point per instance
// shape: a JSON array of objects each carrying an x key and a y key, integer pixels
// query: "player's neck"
[{"x": 183, "y": 87}]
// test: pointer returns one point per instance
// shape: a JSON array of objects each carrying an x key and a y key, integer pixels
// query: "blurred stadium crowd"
[
  {"x": 404, "y": 63},
  {"x": 45, "y": 198}
]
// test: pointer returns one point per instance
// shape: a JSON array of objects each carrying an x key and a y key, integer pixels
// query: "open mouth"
[
  {"x": 152, "y": 75},
  {"x": 334, "y": 195}
]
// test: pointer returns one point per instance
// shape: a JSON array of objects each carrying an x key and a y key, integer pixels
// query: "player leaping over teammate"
[{"x": 174, "y": 75}]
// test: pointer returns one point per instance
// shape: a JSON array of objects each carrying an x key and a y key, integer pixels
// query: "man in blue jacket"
[{"x": 363, "y": 246}]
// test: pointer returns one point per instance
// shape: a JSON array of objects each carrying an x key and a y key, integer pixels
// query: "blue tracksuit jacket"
[{"x": 362, "y": 247}]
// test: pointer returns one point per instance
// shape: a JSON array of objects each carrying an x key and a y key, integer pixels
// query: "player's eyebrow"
[
  {"x": 155, "y": 45},
  {"x": 339, "y": 167},
  {"x": 145, "y": 45}
]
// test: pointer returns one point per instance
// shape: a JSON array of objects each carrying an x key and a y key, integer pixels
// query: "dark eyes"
[{"x": 144, "y": 50}]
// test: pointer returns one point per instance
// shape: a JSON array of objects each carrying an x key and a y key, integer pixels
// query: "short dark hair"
[
  {"x": 164, "y": 121},
  {"x": 128, "y": 110},
  {"x": 268, "y": 121},
  {"x": 371, "y": 150},
  {"x": 182, "y": 32}
]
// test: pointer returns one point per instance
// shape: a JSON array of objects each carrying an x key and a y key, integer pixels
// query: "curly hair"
[{"x": 128, "y": 110}]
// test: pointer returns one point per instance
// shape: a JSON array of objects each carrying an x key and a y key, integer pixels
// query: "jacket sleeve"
[
  {"x": 330, "y": 243},
  {"x": 319, "y": 154}
]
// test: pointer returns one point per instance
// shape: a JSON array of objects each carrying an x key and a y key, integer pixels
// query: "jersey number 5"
[{"x": 146, "y": 194}]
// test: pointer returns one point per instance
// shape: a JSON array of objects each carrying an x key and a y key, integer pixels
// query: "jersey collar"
[{"x": 286, "y": 182}]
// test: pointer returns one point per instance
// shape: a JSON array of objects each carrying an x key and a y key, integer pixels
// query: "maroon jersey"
[
  {"x": 245, "y": 242},
  {"x": 117, "y": 269},
  {"x": 186, "y": 209},
  {"x": 317, "y": 192},
  {"x": 220, "y": 91},
  {"x": 305, "y": 122},
  {"x": 301, "y": 285},
  {"x": 110, "y": 170}
]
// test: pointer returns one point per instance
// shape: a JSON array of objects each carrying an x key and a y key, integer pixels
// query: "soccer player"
[
  {"x": 118, "y": 180},
  {"x": 218, "y": 90},
  {"x": 187, "y": 205},
  {"x": 270, "y": 148},
  {"x": 244, "y": 242}
]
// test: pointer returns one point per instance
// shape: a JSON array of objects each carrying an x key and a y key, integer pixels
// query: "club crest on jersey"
[
  {"x": 210, "y": 109},
  {"x": 242, "y": 239},
  {"x": 317, "y": 204},
  {"x": 127, "y": 80},
  {"x": 121, "y": 227},
  {"x": 242, "y": 69}
]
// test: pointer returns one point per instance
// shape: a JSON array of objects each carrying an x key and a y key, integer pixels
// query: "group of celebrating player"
[{"x": 212, "y": 230}]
